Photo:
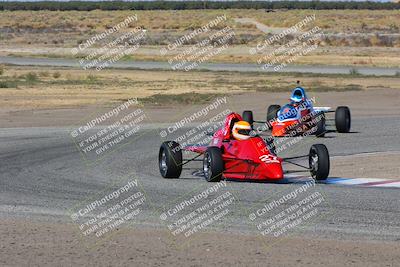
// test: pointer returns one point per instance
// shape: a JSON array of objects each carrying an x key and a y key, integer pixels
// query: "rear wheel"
[
  {"x": 213, "y": 165},
  {"x": 170, "y": 160},
  {"x": 319, "y": 163},
  {"x": 272, "y": 113},
  {"x": 321, "y": 129},
  {"x": 343, "y": 119},
  {"x": 248, "y": 116}
]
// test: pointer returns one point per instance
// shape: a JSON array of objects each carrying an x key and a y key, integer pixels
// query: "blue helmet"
[{"x": 298, "y": 95}]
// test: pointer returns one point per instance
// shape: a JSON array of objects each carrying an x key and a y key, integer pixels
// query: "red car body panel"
[{"x": 245, "y": 160}]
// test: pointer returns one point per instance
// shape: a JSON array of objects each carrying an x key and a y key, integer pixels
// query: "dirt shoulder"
[
  {"x": 36, "y": 88},
  {"x": 371, "y": 165},
  {"x": 33, "y": 243},
  {"x": 375, "y": 102}
]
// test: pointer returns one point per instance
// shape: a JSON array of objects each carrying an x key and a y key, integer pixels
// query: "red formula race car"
[
  {"x": 300, "y": 117},
  {"x": 235, "y": 153}
]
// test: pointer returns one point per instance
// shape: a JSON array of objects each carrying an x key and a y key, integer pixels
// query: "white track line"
[{"x": 367, "y": 182}]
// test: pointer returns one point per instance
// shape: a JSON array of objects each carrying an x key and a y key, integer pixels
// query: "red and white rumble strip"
[{"x": 370, "y": 182}]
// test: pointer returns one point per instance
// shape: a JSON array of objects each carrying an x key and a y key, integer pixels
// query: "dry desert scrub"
[{"x": 26, "y": 88}]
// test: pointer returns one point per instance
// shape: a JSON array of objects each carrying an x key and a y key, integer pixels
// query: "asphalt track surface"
[
  {"x": 44, "y": 176},
  {"x": 242, "y": 67}
]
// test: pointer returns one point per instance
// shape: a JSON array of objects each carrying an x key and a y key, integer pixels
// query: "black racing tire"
[
  {"x": 272, "y": 113},
  {"x": 321, "y": 125},
  {"x": 248, "y": 116},
  {"x": 342, "y": 119},
  {"x": 170, "y": 160},
  {"x": 213, "y": 165},
  {"x": 318, "y": 159}
]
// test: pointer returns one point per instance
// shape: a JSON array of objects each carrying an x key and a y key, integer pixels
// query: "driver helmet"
[
  {"x": 298, "y": 95},
  {"x": 241, "y": 130}
]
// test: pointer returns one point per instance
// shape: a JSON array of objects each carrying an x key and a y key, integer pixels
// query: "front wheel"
[
  {"x": 342, "y": 119},
  {"x": 319, "y": 163},
  {"x": 213, "y": 165},
  {"x": 272, "y": 114},
  {"x": 170, "y": 159}
]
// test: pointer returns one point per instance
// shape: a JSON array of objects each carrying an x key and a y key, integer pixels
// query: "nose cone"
[
  {"x": 279, "y": 129},
  {"x": 273, "y": 171}
]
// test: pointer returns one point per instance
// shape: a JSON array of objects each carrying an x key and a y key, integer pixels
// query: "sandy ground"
[
  {"x": 37, "y": 243},
  {"x": 375, "y": 102},
  {"x": 369, "y": 165},
  {"x": 74, "y": 87}
]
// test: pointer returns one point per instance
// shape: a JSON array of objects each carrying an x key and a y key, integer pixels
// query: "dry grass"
[
  {"x": 53, "y": 34},
  {"x": 338, "y": 21},
  {"x": 74, "y": 87},
  {"x": 350, "y": 56},
  {"x": 330, "y": 20},
  {"x": 68, "y": 28}
]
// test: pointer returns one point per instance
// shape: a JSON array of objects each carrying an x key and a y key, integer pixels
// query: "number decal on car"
[{"x": 269, "y": 159}]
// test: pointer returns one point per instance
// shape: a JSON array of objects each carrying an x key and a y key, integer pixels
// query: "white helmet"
[{"x": 241, "y": 130}]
